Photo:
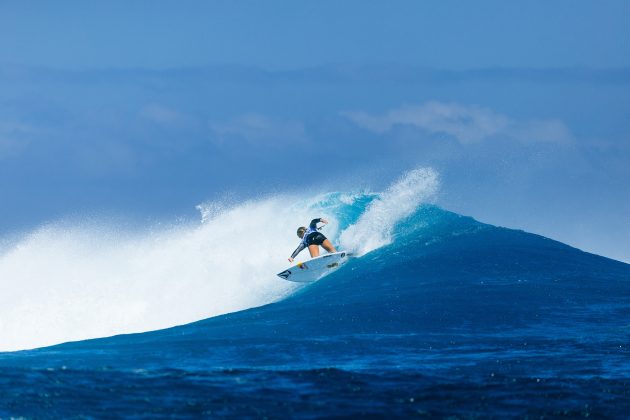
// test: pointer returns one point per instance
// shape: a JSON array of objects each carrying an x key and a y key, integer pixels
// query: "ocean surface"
[{"x": 438, "y": 315}]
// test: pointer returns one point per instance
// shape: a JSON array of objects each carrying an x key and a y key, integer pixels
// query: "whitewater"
[{"x": 69, "y": 281}]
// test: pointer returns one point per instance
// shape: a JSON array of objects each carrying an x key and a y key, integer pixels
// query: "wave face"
[{"x": 439, "y": 315}]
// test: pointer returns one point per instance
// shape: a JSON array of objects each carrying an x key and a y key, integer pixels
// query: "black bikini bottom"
[{"x": 315, "y": 238}]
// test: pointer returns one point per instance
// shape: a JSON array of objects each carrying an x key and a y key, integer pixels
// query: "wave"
[
  {"x": 73, "y": 281},
  {"x": 446, "y": 284}
]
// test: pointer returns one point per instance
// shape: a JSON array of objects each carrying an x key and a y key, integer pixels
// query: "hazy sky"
[
  {"x": 289, "y": 34},
  {"x": 147, "y": 108}
]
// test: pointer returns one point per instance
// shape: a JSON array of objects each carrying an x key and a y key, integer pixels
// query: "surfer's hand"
[
  {"x": 324, "y": 221},
  {"x": 290, "y": 259}
]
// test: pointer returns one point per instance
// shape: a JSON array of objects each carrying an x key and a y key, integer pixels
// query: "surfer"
[{"x": 312, "y": 239}]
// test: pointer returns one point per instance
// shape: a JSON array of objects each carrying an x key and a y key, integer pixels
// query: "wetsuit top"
[{"x": 312, "y": 228}]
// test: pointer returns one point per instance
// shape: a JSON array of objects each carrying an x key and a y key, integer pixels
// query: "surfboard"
[{"x": 314, "y": 269}]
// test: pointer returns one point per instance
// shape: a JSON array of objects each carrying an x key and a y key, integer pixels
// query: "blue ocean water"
[{"x": 451, "y": 317}]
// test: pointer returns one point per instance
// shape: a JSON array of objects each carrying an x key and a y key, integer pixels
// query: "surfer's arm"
[
  {"x": 314, "y": 223},
  {"x": 299, "y": 249}
]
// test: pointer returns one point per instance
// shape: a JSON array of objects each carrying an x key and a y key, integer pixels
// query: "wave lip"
[{"x": 375, "y": 226}]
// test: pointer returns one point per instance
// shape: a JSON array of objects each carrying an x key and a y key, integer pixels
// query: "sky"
[{"x": 147, "y": 108}]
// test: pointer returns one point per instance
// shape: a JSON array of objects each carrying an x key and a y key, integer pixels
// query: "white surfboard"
[{"x": 314, "y": 269}]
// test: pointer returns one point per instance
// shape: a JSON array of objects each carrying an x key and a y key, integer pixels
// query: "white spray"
[
  {"x": 374, "y": 228},
  {"x": 63, "y": 283}
]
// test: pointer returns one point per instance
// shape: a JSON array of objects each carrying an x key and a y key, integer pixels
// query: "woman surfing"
[{"x": 312, "y": 239}]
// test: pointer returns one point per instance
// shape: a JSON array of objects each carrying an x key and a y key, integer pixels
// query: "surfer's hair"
[{"x": 300, "y": 231}]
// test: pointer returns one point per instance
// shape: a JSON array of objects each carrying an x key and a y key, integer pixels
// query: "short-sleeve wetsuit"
[{"x": 311, "y": 237}]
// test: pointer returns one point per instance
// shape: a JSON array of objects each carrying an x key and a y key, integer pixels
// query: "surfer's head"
[{"x": 300, "y": 232}]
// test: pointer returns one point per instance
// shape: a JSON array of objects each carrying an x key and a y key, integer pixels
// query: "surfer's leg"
[
  {"x": 328, "y": 246},
  {"x": 314, "y": 250}
]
